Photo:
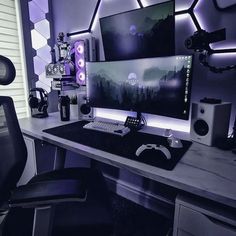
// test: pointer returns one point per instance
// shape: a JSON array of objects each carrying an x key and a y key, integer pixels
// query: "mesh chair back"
[{"x": 13, "y": 153}]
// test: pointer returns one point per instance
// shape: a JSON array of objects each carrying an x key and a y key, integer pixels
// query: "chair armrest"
[{"x": 48, "y": 192}]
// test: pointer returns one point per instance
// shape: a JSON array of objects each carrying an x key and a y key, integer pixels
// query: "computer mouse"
[{"x": 174, "y": 142}]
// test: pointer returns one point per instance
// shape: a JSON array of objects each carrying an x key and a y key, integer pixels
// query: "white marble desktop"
[{"x": 203, "y": 171}]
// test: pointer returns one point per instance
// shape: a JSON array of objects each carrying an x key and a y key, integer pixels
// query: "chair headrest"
[{"x": 7, "y": 71}]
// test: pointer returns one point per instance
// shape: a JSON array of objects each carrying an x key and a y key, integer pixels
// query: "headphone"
[
  {"x": 40, "y": 104},
  {"x": 7, "y": 71}
]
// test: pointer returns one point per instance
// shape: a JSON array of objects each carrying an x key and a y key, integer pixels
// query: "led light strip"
[
  {"x": 91, "y": 22},
  {"x": 189, "y": 11},
  {"x": 40, "y": 36}
]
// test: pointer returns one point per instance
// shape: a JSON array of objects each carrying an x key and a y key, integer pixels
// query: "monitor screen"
[
  {"x": 140, "y": 33},
  {"x": 158, "y": 85}
]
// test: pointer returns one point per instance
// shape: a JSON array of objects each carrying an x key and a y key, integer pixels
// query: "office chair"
[{"x": 70, "y": 201}]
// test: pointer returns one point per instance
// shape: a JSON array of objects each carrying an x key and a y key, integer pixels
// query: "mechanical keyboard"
[{"x": 112, "y": 128}]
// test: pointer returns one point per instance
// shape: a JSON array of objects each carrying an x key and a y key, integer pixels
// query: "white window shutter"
[{"x": 10, "y": 46}]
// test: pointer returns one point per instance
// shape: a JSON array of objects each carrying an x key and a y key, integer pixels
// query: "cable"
[
  {"x": 204, "y": 62},
  {"x": 233, "y": 135},
  {"x": 143, "y": 119},
  {"x": 200, "y": 42}
]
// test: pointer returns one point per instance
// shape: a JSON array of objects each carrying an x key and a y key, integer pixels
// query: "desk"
[{"x": 203, "y": 171}]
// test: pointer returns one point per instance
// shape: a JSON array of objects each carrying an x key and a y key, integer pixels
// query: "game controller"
[{"x": 163, "y": 149}]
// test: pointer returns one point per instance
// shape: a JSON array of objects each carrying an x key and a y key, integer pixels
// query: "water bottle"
[{"x": 64, "y": 102}]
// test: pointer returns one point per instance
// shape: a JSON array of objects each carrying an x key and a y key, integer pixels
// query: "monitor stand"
[{"x": 142, "y": 119}]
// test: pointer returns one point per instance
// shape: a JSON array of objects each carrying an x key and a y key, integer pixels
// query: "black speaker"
[
  {"x": 209, "y": 122},
  {"x": 85, "y": 110},
  {"x": 38, "y": 106}
]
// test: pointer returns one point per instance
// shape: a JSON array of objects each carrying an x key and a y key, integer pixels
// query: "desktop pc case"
[{"x": 209, "y": 122}]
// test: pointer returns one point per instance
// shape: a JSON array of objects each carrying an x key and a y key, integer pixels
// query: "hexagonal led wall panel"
[
  {"x": 35, "y": 13},
  {"x": 38, "y": 40},
  {"x": 43, "y": 28},
  {"x": 189, "y": 11},
  {"x": 39, "y": 37},
  {"x": 42, "y": 4}
]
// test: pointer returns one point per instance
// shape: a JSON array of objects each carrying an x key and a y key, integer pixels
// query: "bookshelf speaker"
[
  {"x": 209, "y": 122},
  {"x": 85, "y": 111}
]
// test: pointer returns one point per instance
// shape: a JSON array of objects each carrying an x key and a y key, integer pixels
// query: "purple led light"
[
  {"x": 80, "y": 48},
  {"x": 200, "y": 19},
  {"x": 39, "y": 35},
  {"x": 43, "y": 28},
  {"x": 223, "y": 45},
  {"x": 224, "y": 55},
  {"x": 43, "y": 84},
  {"x": 47, "y": 81},
  {"x": 184, "y": 17},
  {"x": 44, "y": 53},
  {"x": 182, "y": 6},
  {"x": 42, "y": 4},
  {"x": 36, "y": 14},
  {"x": 38, "y": 40},
  {"x": 67, "y": 69},
  {"x": 81, "y": 76},
  {"x": 39, "y": 65},
  {"x": 80, "y": 62}
]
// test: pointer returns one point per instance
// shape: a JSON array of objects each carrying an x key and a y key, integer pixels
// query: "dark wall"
[
  {"x": 75, "y": 15},
  {"x": 29, "y": 53}
]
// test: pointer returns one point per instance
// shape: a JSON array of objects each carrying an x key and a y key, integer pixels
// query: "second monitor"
[{"x": 160, "y": 86}]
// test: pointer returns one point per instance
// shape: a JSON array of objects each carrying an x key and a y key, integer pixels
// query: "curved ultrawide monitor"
[
  {"x": 160, "y": 86},
  {"x": 140, "y": 33}
]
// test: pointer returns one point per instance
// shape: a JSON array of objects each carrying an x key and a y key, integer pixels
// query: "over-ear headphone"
[
  {"x": 40, "y": 104},
  {"x": 7, "y": 71}
]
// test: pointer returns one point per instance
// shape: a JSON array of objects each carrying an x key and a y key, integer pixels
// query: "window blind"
[{"x": 10, "y": 47}]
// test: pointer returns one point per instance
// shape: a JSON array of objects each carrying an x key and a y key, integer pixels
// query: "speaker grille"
[
  {"x": 201, "y": 127},
  {"x": 85, "y": 109}
]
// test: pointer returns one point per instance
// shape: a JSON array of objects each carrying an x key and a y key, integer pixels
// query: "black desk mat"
[{"x": 123, "y": 146}]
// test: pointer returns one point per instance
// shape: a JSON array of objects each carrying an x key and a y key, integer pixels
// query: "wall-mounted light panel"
[
  {"x": 224, "y": 4},
  {"x": 190, "y": 11},
  {"x": 40, "y": 34}
]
